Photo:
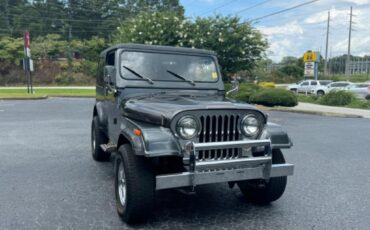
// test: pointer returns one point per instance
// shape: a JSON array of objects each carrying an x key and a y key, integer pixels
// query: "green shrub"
[
  {"x": 245, "y": 91},
  {"x": 89, "y": 68},
  {"x": 64, "y": 79},
  {"x": 337, "y": 98},
  {"x": 308, "y": 98},
  {"x": 274, "y": 97},
  {"x": 248, "y": 87},
  {"x": 243, "y": 96},
  {"x": 360, "y": 104}
]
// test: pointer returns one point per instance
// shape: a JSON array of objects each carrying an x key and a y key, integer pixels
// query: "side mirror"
[
  {"x": 109, "y": 75},
  {"x": 234, "y": 87}
]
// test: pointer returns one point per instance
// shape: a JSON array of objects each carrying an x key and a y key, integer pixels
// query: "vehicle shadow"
[{"x": 215, "y": 205}]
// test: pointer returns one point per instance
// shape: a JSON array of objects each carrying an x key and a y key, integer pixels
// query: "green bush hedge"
[
  {"x": 274, "y": 97},
  {"x": 246, "y": 91},
  {"x": 337, "y": 98}
]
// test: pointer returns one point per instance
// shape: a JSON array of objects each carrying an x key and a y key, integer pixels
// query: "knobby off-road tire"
[
  {"x": 260, "y": 192},
  {"x": 98, "y": 138},
  {"x": 139, "y": 191}
]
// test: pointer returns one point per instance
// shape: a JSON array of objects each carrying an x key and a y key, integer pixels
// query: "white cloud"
[
  {"x": 284, "y": 40},
  {"x": 337, "y": 17},
  {"x": 358, "y": 2},
  {"x": 290, "y": 28},
  {"x": 308, "y": 32}
]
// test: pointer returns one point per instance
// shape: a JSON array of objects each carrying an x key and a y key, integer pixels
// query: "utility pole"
[
  {"x": 330, "y": 67},
  {"x": 327, "y": 44},
  {"x": 366, "y": 67},
  {"x": 348, "y": 71}
]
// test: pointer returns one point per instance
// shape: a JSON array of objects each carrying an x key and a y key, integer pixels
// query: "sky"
[{"x": 295, "y": 31}]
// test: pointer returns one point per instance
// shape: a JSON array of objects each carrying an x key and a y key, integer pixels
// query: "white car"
[
  {"x": 307, "y": 86},
  {"x": 361, "y": 90},
  {"x": 338, "y": 85}
]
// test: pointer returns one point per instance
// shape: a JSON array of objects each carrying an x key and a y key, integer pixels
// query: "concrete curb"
[
  {"x": 43, "y": 97},
  {"x": 326, "y": 114},
  {"x": 23, "y": 98},
  {"x": 72, "y": 96}
]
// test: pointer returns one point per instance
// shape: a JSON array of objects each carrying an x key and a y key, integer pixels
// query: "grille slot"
[{"x": 219, "y": 128}]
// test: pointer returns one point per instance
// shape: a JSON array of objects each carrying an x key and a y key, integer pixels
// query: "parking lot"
[{"x": 48, "y": 179}]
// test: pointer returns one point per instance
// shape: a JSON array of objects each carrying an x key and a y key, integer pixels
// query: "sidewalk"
[{"x": 331, "y": 109}]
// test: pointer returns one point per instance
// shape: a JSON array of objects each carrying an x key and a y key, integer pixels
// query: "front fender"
[
  {"x": 102, "y": 116},
  {"x": 279, "y": 138},
  {"x": 155, "y": 141}
]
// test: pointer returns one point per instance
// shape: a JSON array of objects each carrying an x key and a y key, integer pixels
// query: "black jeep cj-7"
[{"x": 163, "y": 112}]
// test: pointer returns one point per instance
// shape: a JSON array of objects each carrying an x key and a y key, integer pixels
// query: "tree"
[
  {"x": 238, "y": 45},
  {"x": 292, "y": 71},
  {"x": 11, "y": 49},
  {"x": 289, "y": 60},
  {"x": 79, "y": 18},
  {"x": 48, "y": 47},
  {"x": 152, "y": 28}
]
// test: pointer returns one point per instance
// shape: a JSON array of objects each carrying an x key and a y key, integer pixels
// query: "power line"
[
  {"x": 219, "y": 7},
  {"x": 284, "y": 10},
  {"x": 251, "y": 7}
]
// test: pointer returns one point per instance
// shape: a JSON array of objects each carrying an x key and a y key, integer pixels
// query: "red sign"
[{"x": 27, "y": 42}]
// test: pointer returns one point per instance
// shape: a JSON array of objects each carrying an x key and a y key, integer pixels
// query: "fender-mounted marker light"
[{"x": 137, "y": 132}]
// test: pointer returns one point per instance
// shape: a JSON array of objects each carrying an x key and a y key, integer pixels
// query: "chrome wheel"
[{"x": 121, "y": 184}]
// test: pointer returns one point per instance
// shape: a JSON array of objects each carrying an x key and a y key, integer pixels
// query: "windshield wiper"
[
  {"x": 181, "y": 77},
  {"x": 139, "y": 75}
]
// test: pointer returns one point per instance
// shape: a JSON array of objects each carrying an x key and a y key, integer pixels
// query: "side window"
[
  {"x": 340, "y": 85},
  {"x": 313, "y": 82},
  {"x": 110, "y": 59},
  {"x": 334, "y": 85},
  {"x": 304, "y": 83},
  {"x": 324, "y": 82}
]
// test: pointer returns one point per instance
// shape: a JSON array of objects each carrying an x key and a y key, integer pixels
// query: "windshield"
[
  {"x": 167, "y": 67},
  {"x": 299, "y": 82}
]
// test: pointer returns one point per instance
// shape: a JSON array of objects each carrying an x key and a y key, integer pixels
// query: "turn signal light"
[{"x": 137, "y": 132}]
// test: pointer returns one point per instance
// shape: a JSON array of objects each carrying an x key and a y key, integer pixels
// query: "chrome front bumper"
[{"x": 216, "y": 171}]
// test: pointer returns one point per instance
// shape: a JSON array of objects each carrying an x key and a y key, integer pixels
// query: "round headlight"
[
  {"x": 187, "y": 127},
  {"x": 250, "y": 126}
]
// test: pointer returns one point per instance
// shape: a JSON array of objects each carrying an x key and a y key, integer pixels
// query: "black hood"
[{"x": 161, "y": 109}]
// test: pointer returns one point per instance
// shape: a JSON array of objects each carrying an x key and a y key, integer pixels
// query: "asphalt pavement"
[{"x": 48, "y": 179}]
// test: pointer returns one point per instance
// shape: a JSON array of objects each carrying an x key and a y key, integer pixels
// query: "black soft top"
[{"x": 157, "y": 48}]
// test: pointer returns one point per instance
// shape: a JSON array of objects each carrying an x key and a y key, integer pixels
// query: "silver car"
[{"x": 361, "y": 90}]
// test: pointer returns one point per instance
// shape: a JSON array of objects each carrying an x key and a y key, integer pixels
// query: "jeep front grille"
[{"x": 219, "y": 128}]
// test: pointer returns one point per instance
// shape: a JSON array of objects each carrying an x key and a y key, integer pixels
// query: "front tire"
[
  {"x": 261, "y": 192},
  {"x": 134, "y": 186},
  {"x": 320, "y": 93},
  {"x": 98, "y": 138}
]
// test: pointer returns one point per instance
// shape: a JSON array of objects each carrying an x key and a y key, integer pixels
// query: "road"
[{"x": 48, "y": 179}]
